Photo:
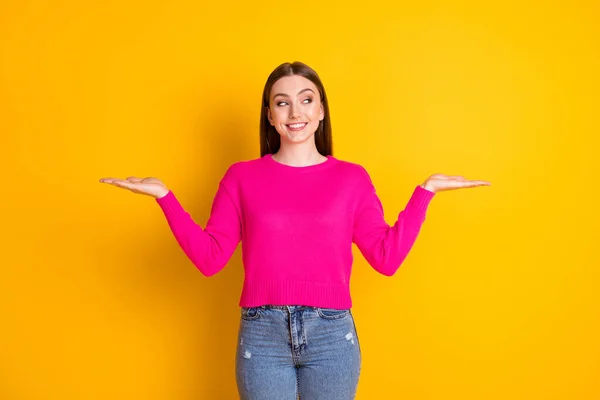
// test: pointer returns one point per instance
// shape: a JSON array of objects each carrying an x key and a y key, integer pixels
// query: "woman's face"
[{"x": 295, "y": 108}]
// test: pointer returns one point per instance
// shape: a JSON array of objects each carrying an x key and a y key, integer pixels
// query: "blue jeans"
[{"x": 288, "y": 351}]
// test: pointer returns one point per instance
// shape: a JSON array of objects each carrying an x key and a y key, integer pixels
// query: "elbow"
[
  {"x": 389, "y": 274},
  {"x": 389, "y": 266},
  {"x": 387, "y": 270},
  {"x": 206, "y": 272},
  {"x": 209, "y": 268},
  {"x": 208, "y": 263}
]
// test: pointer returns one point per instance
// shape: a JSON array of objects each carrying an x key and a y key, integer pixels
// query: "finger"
[
  {"x": 482, "y": 183},
  {"x": 474, "y": 183},
  {"x": 439, "y": 176},
  {"x": 134, "y": 179},
  {"x": 456, "y": 184},
  {"x": 124, "y": 184},
  {"x": 451, "y": 177},
  {"x": 108, "y": 180}
]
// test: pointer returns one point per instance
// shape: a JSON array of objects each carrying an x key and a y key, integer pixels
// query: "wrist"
[
  {"x": 162, "y": 193},
  {"x": 427, "y": 187}
]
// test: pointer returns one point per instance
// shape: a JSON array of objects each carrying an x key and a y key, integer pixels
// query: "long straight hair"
[{"x": 270, "y": 140}]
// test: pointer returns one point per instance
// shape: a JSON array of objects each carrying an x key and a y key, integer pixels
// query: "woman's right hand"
[{"x": 148, "y": 186}]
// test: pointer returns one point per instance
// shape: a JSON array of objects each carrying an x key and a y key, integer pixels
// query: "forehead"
[{"x": 291, "y": 85}]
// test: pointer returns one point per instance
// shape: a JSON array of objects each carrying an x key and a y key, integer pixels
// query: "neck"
[{"x": 298, "y": 156}]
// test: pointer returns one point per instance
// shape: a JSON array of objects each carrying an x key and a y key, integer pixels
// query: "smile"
[{"x": 297, "y": 127}]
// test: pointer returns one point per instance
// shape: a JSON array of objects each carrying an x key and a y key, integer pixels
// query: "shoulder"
[
  {"x": 355, "y": 170},
  {"x": 240, "y": 169}
]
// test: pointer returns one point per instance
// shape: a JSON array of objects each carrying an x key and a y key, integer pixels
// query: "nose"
[{"x": 294, "y": 111}]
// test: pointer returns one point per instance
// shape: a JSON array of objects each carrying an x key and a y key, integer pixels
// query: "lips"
[{"x": 297, "y": 126}]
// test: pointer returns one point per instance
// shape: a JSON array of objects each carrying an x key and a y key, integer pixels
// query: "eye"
[{"x": 279, "y": 103}]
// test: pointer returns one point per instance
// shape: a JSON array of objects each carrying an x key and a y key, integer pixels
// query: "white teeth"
[{"x": 295, "y": 126}]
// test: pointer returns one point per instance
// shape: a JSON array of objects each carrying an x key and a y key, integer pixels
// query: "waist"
[{"x": 297, "y": 293}]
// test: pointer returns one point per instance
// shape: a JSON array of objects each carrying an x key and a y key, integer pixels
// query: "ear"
[
  {"x": 322, "y": 113},
  {"x": 269, "y": 115}
]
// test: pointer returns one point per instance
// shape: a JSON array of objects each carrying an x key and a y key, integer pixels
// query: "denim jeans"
[{"x": 288, "y": 351}]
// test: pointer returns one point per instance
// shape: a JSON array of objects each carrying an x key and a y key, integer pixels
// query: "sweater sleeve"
[
  {"x": 209, "y": 249},
  {"x": 385, "y": 247}
]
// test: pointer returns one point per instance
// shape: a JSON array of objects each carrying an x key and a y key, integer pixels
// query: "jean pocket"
[
  {"x": 250, "y": 313},
  {"x": 332, "y": 313}
]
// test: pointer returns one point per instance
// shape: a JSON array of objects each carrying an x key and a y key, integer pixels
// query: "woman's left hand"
[{"x": 440, "y": 182}]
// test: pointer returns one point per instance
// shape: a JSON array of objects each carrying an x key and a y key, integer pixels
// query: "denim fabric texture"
[{"x": 297, "y": 352}]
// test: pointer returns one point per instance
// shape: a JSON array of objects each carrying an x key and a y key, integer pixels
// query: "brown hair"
[{"x": 269, "y": 137}]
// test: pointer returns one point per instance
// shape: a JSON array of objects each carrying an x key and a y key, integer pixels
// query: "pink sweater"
[{"x": 297, "y": 225}]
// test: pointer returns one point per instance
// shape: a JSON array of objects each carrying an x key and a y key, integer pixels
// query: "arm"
[
  {"x": 385, "y": 247},
  {"x": 209, "y": 249}
]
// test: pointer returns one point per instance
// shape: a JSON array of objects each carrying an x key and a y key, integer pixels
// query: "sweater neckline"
[{"x": 284, "y": 167}]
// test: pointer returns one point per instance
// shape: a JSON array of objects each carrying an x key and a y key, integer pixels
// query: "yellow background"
[{"x": 499, "y": 297}]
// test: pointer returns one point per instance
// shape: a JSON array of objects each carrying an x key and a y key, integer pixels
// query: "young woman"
[{"x": 297, "y": 210}]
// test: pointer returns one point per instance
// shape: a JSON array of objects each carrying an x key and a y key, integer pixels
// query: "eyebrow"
[{"x": 300, "y": 92}]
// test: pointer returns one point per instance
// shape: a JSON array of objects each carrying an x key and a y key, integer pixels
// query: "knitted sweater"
[{"x": 297, "y": 226}]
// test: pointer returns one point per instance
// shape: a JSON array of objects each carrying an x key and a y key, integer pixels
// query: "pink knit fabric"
[{"x": 297, "y": 226}]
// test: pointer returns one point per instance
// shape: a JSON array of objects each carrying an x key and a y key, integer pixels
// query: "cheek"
[
  {"x": 277, "y": 117},
  {"x": 316, "y": 113}
]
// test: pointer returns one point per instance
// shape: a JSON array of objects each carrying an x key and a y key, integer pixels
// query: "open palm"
[
  {"x": 440, "y": 182},
  {"x": 148, "y": 186}
]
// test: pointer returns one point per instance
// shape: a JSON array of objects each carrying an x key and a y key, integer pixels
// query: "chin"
[{"x": 297, "y": 139}]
